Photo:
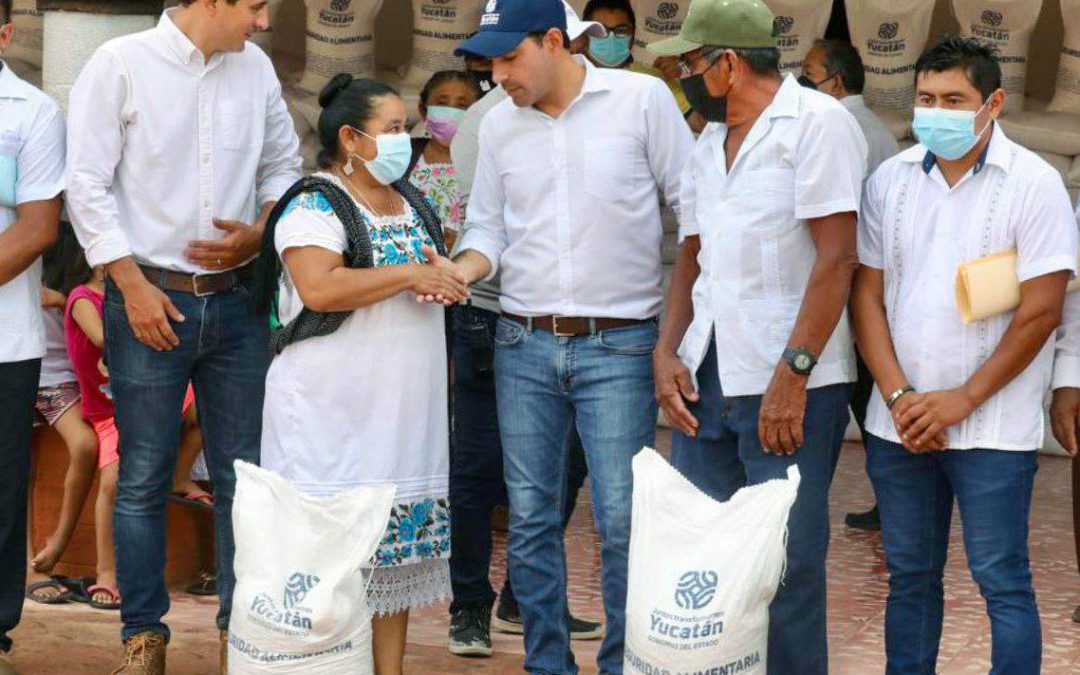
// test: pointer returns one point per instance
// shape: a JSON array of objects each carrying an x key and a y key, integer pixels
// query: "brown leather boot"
[
  {"x": 144, "y": 654},
  {"x": 224, "y": 652}
]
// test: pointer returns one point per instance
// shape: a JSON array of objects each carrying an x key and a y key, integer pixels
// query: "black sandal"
[
  {"x": 61, "y": 598},
  {"x": 206, "y": 585}
]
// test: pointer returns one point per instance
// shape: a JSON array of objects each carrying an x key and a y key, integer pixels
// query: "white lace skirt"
[{"x": 398, "y": 588}]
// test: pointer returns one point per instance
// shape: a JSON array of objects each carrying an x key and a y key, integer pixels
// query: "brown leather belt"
[
  {"x": 573, "y": 326},
  {"x": 199, "y": 285}
]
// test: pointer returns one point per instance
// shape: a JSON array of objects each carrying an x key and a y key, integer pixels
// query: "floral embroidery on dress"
[
  {"x": 311, "y": 201},
  {"x": 416, "y": 531},
  {"x": 438, "y": 182},
  {"x": 393, "y": 242}
]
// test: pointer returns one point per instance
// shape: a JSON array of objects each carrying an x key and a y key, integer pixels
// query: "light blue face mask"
[
  {"x": 949, "y": 134},
  {"x": 9, "y": 176},
  {"x": 611, "y": 51},
  {"x": 392, "y": 159}
]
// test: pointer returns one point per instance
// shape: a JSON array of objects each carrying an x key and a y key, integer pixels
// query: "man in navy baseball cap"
[{"x": 505, "y": 23}]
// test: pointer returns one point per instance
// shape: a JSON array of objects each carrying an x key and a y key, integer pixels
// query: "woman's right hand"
[{"x": 439, "y": 280}]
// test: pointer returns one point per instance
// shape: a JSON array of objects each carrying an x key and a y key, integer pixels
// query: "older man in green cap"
[{"x": 769, "y": 201}]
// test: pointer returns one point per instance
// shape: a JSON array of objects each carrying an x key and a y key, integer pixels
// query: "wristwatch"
[{"x": 801, "y": 361}]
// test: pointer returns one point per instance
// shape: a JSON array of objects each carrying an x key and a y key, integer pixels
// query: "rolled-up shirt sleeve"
[
  {"x": 669, "y": 142},
  {"x": 280, "y": 164},
  {"x": 485, "y": 227},
  {"x": 830, "y": 166},
  {"x": 97, "y": 118}
]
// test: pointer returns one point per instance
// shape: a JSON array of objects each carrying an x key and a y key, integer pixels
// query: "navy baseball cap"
[{"x": 505, "y": 23}]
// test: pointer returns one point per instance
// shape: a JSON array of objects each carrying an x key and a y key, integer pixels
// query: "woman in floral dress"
[
  {"x": 443, "y": 101},
  {"x": 366, "y": 403}
]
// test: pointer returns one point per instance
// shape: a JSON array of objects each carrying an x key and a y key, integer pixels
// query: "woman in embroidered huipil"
[
  {"x": 366, "y": 404},
  {"x": 443, "y": 102}
]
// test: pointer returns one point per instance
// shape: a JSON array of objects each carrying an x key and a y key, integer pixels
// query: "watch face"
[{"x": 802, "y": 362}]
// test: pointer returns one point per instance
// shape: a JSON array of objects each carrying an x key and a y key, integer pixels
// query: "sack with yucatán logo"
[
  {"x": 300, "y": 602},
  {"x": 702, "y": 573}
]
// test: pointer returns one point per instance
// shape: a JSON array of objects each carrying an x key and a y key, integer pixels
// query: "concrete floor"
[{"x": 74, "y": 640}]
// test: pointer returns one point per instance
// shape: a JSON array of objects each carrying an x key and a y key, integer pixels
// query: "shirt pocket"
[
  {"x": 236, "y": 123},
  {"x": 611, "y": 166},
  {"x": 765, "y": 199}
]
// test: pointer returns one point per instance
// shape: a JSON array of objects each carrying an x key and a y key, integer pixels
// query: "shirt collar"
[
  {"x": 596, "y": 79},
  {"x": 996, "y": 152},
  {"x": 177, "y": 41},
  {"x": 786, "y": 101},
  {"x": 10, "y": 85},
  {"x": 852, "y": 102}
]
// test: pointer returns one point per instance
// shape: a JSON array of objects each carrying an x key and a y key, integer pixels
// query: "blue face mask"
[
  {"x": 9, "y": 176},
  {"x": 949, "y": 134},
  {"x": 392, "y": 160},
  {"x": 611, "y": 51}
]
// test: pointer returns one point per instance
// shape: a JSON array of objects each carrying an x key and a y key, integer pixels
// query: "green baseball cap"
[{"x": 740, "y": 24}]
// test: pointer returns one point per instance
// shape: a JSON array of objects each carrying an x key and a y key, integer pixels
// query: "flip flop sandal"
[
  {"x": 114, "y": 597},
  {"x": 206, "y": 585},
  {"x": 77, "y": 587},
  {"x": 61, "y": 598},
  {"x": 197, "y": 498}
]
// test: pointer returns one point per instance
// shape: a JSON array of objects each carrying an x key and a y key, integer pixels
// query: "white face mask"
[
  {"x": 392, "y": 157},
  {"x": 949, "y": 134}
]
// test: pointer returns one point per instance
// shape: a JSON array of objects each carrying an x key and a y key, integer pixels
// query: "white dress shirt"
[
  {"x": 1067, "y": 351},
  {"x": 880, "y": 142},
  {"x": 162, "y": 141},
  {"x": 567, "y": 209},
  {"x": 804, "y": 158},
  {"x": 919, "y": 230},
  {"x": 32, "y": 150}
]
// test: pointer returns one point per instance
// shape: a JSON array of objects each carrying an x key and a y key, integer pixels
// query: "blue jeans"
[
  {"x": 915, "y": 494},
  {"x": 476, "y": 462},
  {"x": 224, "y": 353},
  {"x": 603, "y": 384},
  {"x": 18, "y": 389},
  {"x": 726, "y": 455}
]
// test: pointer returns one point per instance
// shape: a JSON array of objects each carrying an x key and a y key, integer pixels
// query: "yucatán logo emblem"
[
  {"x": 291, "y": 614},
  {"x": 340, "y": 5},
  {"x": 696, "y": 589},
  {"x": 992, "y": 18},
  {"x": 782, "y": 25},
  {"x": 888, "y": 30},
  {"x": 667, "y": 10},
  {"x": 297, "y": 588}
]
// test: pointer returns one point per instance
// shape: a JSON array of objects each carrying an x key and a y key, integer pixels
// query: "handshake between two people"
[{"x": 442, "y": 280}]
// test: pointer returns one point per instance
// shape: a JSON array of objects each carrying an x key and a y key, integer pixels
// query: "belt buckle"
[
  {"x": 555, "y": 328},
  {"x": 195, "y": 286}
]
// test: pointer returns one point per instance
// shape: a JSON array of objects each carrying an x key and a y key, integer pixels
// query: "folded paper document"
[{"x": 989, "y": 286}]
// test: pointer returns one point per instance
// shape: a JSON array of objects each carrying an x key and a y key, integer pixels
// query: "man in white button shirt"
[
  {"x": 754, "y": 361},
  {"x": 959, "y": 416},
  {"x": 565, "y": 206},
  {"x": 31, "y": 183},
  {"x": 834, "y": 67},
  {"x": 180, "y": 145}
]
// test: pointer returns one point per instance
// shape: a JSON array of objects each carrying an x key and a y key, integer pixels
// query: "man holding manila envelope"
[{"x": 959, "y": 416}]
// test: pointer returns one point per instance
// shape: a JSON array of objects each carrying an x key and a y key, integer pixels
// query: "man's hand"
[
  {"x": 234, "y": 249},
  {"x": 674, "y": 387},
  {"x": 925, "y": 416},
  {"x": 148, "y": 308},
  {"x": 668, "y": 66},
  {"x": 901, "y": 406},
  {"x": 1064, "y": 415},
  {"x": 440, "y": 281},
  {"x": 783, "y": 409}
]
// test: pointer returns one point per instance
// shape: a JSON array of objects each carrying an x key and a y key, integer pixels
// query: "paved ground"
[{"x": 75, "y": 640}]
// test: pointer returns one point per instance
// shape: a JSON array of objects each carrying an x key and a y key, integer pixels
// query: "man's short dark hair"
[
  {"x": 761, "y": 60},
  {"x": 842, "y": 59},
  {"x": 611, "y": 5},
  {"x": 977, "y": 58},
  {"x": 5, "y": 12}
]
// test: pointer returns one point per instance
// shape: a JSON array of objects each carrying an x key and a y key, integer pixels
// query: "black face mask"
[
  {"x": 712, "y": 108},
  {"x": 483, "y": 78},
  {"x": 810, "y": 84}
]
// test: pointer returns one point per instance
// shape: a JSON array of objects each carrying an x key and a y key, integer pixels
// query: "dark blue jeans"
[
  {"x": 18, "y": 389},
  {"x": 915, "y": 494},
  {"x": 602, "y": 384},
  {"x": 476, "y": 461},
  {"x": 224, "y": 353},
  {"x": 726, "y": 455}
]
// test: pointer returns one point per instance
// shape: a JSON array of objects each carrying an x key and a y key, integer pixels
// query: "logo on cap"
[
  {"x": 992, "y": 18},
  {"x": 490, "y": 17},
  {"x": 667, "y": 10},
  {"x": 490, "y": 7},
  {"x": 888, "y": 30}
]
